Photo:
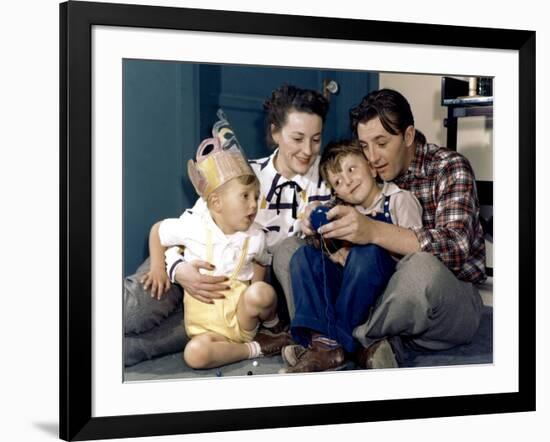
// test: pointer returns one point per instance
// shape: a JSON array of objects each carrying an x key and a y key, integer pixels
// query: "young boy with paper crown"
[{"x": 223, "y": 233}]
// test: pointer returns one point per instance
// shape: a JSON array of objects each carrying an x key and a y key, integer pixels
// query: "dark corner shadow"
[{"x": 51, "y": 428}]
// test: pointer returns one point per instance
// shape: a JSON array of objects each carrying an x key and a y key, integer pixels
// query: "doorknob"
[{"x": 330, "y": 87}]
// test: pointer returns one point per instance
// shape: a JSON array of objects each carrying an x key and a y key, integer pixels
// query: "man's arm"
[
  {"x": 352, "y": 226},
  {"x": 456, "y": 216}
]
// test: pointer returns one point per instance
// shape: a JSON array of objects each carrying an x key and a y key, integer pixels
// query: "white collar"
[
  {"x": 210, "y": 224},
  {"x": 389, "y": 188},
  {"x": 217, "y": 233}
]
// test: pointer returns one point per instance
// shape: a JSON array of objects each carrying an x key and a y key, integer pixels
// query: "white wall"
[
  {"x": 29, "y": 221},
  {"x": 474, "y": 134}
]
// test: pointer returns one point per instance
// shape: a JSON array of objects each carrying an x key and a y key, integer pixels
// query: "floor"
[{"x": 480, "y": 351}]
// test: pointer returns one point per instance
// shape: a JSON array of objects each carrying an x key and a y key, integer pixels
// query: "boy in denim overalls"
[{"x": 335, "y": 292}]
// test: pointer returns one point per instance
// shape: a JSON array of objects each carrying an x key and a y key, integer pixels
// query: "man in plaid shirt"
[{"x": 431, "y": 301}]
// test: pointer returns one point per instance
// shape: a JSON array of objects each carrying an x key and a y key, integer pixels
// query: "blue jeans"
[{"x": 332, "y": 300}]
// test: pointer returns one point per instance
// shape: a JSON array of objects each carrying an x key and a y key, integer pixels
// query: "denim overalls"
[{"x": 332, "y": 300}]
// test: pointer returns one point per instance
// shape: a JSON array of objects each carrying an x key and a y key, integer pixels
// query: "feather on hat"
[{"x": 218, "y": 160}]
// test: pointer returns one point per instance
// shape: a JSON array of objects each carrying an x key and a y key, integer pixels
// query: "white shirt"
[
  {"x": 190, "y": 230},
  {"x": 405, "y": 210},
  {"x": 307, "y": 188}
]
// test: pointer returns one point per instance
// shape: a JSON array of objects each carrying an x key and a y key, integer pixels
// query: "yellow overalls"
[{"x": 220, "y": 317}]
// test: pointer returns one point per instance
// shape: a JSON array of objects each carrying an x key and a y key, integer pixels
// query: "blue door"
[{"x": 169, "y": 107}]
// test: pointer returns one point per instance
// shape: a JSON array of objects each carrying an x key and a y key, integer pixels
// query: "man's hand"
[
  {"x": 340, "y": 256},
  {"x": 157, "y": 279},
  {"x": 306, "y": 223},
  {"x": 204, "y": 288},
  {"x": 349, "y": 225}
]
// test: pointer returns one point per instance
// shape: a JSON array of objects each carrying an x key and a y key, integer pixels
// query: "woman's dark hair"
[
  {"x": 289, "y": 98},
  {"x": 393, "y": 110}
]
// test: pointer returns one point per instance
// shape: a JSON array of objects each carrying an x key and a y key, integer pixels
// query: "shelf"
[
  {"x": 475, "y": 100},
  {"x": 454, "y": 95}
]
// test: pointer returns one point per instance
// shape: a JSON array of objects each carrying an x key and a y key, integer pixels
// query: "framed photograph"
[{"x": 140, "y": 87}]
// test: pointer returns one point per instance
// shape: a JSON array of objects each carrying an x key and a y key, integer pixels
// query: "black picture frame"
[{"x": 76, "y": 21}]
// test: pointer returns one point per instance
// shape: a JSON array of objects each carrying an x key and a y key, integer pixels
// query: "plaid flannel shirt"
[{"x": 444, "y": 183}]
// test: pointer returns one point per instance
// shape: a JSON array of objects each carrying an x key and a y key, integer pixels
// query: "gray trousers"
[
  {"x": 282, "y": 253},
  {"x": 152, "y": 327},
  {"x": 424, "y": 302}
]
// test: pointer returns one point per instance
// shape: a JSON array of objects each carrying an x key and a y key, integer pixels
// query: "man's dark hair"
[
  {"x": 393, "y": 110},
  {"x": 289, "y": 98}
]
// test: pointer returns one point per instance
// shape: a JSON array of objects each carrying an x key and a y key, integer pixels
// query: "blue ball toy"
[{"x": 318, "y": 217}]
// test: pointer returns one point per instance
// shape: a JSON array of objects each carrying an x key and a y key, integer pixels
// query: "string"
[{"x": 324, "y": 246}]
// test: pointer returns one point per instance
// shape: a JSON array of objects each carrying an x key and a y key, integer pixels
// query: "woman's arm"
[{"x": 204, "y": 288}]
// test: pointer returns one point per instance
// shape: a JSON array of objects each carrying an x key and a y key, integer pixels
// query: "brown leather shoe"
[
  {"x": 279, "y": 328},
  {"x": 318, "y": 359},
  {"x": 272, "y": 343},
  {"x": 378, "y": 355},
  {"x": 291, "y": 354}
]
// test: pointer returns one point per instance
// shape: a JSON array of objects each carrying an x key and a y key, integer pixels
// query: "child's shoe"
[
  {"x": 272, "y": 341},
  {"x": 317, "y": 358},
  {"x": 291, "y": 354}
]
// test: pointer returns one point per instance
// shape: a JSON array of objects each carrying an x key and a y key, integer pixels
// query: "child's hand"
[
  {"x": 306, "y": 223},
  {"x": 340, "y": 256},
  {"x": 157, "y": 279}
]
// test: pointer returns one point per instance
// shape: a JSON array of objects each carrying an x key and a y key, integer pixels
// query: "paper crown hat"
[{"x": 219, "y": 159}]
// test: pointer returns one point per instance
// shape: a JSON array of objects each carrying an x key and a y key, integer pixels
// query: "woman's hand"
[
  {"x": 306, "y": 223},
  {"x": 157, "y": 279},
  {"x": 349, "y": 225},
  {"x": 204, "y": 288}
]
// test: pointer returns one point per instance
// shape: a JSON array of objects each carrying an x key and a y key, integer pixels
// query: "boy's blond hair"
[
  {"x": 333, "y": 154},
  {"x": 245, "y": 180}
]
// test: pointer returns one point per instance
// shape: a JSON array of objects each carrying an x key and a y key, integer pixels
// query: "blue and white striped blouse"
[{"x": 282, "y": 202}]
